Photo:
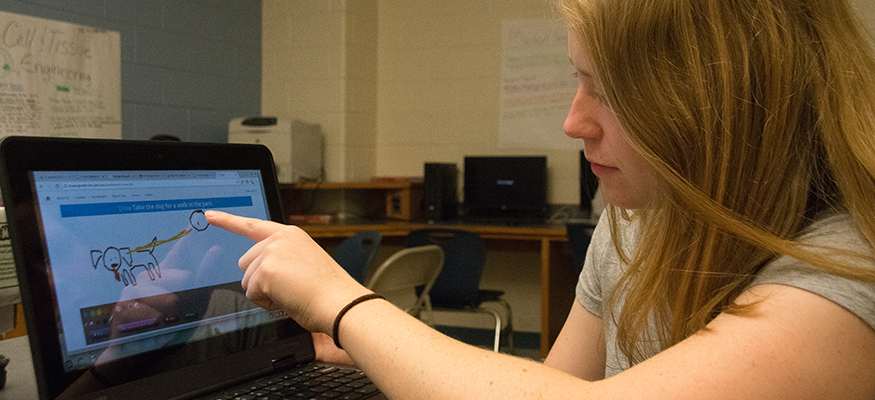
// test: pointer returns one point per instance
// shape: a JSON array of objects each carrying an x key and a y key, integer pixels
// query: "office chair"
[
  {"x": 402, "y": 273},
  {"x": 355, "y": 253},
  {"x": 579, "y": 235},
  {"x": 458, "y": 286}
]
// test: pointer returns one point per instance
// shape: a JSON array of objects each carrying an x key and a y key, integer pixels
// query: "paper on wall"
[
  {"x": 58, "y": 79},
  {"x": 537, "y": 85}
]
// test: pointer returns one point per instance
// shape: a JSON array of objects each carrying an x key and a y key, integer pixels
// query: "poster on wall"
[
  {"x": 58, "y": 79},
  {"x": 537, "y": 85}
]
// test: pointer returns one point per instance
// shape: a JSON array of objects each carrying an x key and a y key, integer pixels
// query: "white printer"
[{"x": 296, "y": 146}]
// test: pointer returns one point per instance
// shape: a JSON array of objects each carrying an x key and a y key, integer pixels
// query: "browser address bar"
[{"x": 150, "y": 184}]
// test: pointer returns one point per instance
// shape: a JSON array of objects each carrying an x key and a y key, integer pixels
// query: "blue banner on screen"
[{"x": 134, "y": 207}]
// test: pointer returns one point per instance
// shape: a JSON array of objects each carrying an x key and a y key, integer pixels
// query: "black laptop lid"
[{"x": 128, "y": 292}]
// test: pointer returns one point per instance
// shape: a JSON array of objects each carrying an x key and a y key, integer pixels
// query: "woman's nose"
[{"x": 581, "y": 122}]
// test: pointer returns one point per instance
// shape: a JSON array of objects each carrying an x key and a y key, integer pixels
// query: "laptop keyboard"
[{"x": 311, "y": 382}]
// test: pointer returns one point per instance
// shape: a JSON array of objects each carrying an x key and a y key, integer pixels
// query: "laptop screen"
[
  {"x": 127, "y": 290},
  {"x": 134, "y": 264}
]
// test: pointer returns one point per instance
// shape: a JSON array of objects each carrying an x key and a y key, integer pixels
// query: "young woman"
[{"x": 735, "y": 146}]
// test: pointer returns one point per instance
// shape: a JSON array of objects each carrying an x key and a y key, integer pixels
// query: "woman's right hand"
[
  {"x": 326, "y": 350},
  {"x": 287, "y": 269}
]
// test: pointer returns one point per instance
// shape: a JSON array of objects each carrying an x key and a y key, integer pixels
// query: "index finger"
[{"x": 252, "y": 228}]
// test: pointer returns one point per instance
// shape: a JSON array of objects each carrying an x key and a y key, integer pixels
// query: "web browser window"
[{"x": 134, "y": 263}]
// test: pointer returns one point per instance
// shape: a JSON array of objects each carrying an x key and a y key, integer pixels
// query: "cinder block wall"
[{"x": 187, "y": 67}]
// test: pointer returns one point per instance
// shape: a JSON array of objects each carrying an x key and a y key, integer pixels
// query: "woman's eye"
[{"x": 594, "y": 94}]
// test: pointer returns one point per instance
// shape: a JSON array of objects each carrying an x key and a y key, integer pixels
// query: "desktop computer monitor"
[{"x": 506, "y": 188}]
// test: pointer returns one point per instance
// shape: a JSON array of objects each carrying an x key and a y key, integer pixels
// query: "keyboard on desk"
[{"x": 311, "y": 382}]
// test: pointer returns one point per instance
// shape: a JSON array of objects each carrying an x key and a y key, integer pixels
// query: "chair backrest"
[
  {"x": 579, "y": 236},
  {"x": 355, "y": 253},
  {"x": 398, "y": 276},
  {"x": 464, "y": 258}
]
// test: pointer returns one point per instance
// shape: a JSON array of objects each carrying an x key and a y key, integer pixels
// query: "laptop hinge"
[{"x": 284, "y": 362}]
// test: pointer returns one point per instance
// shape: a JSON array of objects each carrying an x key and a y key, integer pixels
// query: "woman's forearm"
[{"x": 409, "y": 360}]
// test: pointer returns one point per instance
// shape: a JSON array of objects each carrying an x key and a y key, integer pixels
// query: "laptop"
[{"x": 129, "y": 293}]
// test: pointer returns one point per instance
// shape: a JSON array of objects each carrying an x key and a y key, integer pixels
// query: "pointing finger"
[{"x": 254, "y": 229}]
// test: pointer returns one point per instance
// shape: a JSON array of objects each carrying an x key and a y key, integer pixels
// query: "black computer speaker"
[{"x": 440, "y": 197}]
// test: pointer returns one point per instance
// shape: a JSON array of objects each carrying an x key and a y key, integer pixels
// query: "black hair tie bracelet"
[{"x": 349, "y": 306}]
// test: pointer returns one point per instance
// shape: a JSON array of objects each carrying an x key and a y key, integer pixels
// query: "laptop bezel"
[{"x": 20, "y": 156}]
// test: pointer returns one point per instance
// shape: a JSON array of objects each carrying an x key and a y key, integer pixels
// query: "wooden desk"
[{"x": 558, "y": 276}]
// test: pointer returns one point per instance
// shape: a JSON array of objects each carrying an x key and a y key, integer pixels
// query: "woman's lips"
[{"x": 600, "y": 170}]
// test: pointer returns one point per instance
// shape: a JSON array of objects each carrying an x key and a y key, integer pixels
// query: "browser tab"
[{"x": 227, "y": 175}]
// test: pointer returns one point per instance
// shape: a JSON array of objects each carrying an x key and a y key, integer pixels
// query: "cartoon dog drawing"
[{"x": 123, "y": 261}]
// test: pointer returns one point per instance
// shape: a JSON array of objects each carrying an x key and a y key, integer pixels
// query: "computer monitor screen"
[{"x": 506, "y": 187}]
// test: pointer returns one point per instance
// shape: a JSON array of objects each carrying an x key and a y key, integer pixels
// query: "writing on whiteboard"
[{"x": 58, "y": 79}]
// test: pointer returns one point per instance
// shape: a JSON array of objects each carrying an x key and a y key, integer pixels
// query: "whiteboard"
[
  {"x": 537, "y": 85},
  {"x": 58, "y": 79}
]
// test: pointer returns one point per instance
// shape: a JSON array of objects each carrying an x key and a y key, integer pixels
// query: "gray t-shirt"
[{"x": 602, "y": 270}]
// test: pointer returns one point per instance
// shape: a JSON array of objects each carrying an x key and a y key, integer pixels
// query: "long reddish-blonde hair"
[{"x": 757, "y": 115}]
